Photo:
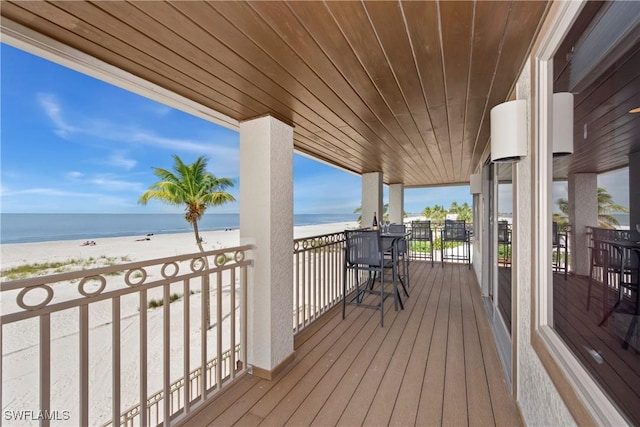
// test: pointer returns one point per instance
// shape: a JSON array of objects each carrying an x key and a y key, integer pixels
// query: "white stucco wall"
[
  {"x": 396, "y": 203},
  {"x": 266, "y": 220},
  {"x": 583, "y": 213},
  {"x": 371, "y": 197}
]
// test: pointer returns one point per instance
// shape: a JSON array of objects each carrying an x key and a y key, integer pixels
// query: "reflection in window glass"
[
  {"x": 596, "y": 303},
  {"x": 504, "y": 230}
]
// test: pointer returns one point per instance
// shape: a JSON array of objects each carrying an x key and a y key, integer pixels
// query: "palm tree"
[
  {"x": 606, "y": 207},
  {"x": 436, "y": 213},
  {"x": 463, "y": 212},
  {"x": 189, "y": 185}
]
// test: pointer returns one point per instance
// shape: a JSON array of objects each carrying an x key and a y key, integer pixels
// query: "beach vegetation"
[
  {"x": 191, "y": 186},
  {"x": 417, "y": 246},
  {"x": 420, "y": 246},
  {"x": 56, "y": 267},
  {"x": 155, "y": 303}
]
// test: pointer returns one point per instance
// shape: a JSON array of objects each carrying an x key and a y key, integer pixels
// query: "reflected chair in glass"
[
  {"x": 421, "y": 242},
  {"x": 604, "y": 265},
  {"x": 455, "y": 231},
  {"x": 402, "y": 254},
  {"x": 628, "y": 284},
  {"x": 364, "y": 253},
  {"x": 634, "y": 286},
  {"x": 560, "y": 250},
  {"x": 504, "y": 244}
]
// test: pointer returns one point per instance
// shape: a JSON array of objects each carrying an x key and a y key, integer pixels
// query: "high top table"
[{"x": 390, "y": 243}]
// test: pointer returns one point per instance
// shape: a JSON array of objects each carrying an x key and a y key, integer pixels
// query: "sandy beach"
[
  {"x": 20, "y": 340},
  {"x": 138, "y": 248}
]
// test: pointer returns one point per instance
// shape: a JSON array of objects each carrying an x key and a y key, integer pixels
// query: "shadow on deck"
[{"x": 433, "y": 363}]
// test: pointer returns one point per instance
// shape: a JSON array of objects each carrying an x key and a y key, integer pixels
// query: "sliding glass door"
[{"x": 497, "y": 283}]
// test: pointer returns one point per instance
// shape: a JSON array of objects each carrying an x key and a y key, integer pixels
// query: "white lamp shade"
[
  {"x": 509, "y": 131},
  {"x": 475, "y": 183},
  {"x": 562, "y": 124}
]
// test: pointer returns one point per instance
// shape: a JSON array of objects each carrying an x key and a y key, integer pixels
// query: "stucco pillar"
[
  {"x": 371, "y": 197},
  {"x": 634, "y": 190},
  {"x": 583, "y": 213},
  {"x": 396, "y": 203},
  {"x": 266, "y": 221}
]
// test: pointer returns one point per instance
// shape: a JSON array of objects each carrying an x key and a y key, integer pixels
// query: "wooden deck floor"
[{"x": 434, "y": 363}]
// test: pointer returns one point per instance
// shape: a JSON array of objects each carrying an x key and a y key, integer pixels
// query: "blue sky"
[{"x": 74, "y": 144}]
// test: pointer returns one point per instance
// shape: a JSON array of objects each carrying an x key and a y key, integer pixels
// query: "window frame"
[{"x": 581, "y": 393}]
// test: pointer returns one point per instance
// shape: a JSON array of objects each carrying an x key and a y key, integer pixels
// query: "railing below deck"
[
  {"x": 318, "y": 263},
  {"x": 52, "y": 313}
]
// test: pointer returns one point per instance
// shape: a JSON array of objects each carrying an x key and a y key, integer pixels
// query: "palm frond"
[{"x": 189, "y": 185}]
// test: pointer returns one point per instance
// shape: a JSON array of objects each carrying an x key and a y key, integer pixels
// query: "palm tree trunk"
[
  {"x": 197, "y": 233},
  {"x": 205, "y": 278}
]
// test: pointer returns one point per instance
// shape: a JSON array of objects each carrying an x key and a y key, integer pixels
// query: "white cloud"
[
  {"x": 120, "y": 160},
  {"x": 161, "y": 110},
  {"x": 224, "y": 156},
  {"x": 49, "y": 192},
  {"x": 148, "y": 138},
  {"x": 53, "y": 110},
  {"x": 111, "y": 184},
  {"x": 74, "y": 175}
]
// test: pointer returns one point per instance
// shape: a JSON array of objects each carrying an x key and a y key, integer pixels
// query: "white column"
[
  {"x": 371, "y": 197},
  {"x": 396, "y": 203},
  {"x": 583, "y": 213},
  {"x": 266, "y": 220},
  {"x": 634, "y": 190}
]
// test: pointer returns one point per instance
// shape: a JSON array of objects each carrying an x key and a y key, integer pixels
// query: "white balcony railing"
[
  {"x": 81, "y": 346},
  {"x": 317, "y": 277}
]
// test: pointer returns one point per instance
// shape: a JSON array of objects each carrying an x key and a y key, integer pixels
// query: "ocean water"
[
  {"x": 623, "y": 219},
  {"x": 23, "y": 228}
]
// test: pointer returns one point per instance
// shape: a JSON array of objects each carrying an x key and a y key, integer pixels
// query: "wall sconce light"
[
  {"x": 562, "y": 124},
  {"x": 509, "y": 131},
  {"x": 475, "y": 183}
]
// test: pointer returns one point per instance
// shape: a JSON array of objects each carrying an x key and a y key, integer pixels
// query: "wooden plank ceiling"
[
  {"x": 405, "y": 88},
  {"x": 605, "y": 133}
]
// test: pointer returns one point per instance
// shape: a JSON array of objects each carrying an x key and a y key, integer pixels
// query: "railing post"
[
  {"x": 45, "y": 366},
  {"x": 144, "y": 420},
  {"x": 84, "y": 364},
  {"x": 115, "y": 357}
]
